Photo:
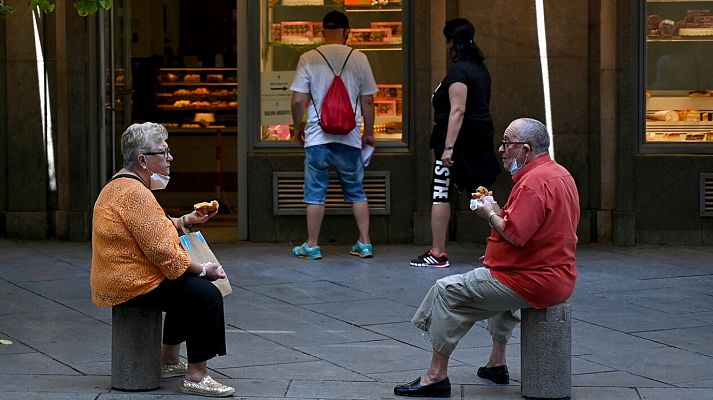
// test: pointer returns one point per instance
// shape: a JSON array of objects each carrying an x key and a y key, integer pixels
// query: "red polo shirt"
[{"x": 541, "y": 217}]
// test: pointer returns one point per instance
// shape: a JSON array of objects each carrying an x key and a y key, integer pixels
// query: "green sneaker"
[
  {"x": 363, "y": 250},
  {"x": 304, "y": 251}
]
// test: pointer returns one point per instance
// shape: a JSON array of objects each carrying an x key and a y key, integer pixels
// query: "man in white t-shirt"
[{"x": 324, "y": 151}]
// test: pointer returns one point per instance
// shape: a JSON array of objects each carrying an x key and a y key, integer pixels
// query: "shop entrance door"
[
  {"x": 116, "y": 84},
  {"x": 162, "y": 65}
]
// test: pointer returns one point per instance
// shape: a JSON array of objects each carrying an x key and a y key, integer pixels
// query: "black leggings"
[{"x": 194, "y": 314}]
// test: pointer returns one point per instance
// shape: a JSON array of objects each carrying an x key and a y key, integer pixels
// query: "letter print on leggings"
[{"x": 441, "y": 182}]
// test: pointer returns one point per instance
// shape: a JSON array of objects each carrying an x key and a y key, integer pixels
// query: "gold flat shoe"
[
  {"x": 174, "y": 370},
  {"x": 207, "y": 387}
]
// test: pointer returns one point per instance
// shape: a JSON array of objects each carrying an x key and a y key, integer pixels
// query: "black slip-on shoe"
[
  {"x": 496, "y": 374},
  {"x": 414, "y": 389}
]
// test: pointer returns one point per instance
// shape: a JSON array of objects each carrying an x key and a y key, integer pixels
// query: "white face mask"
[{"x": 158, "y": 181}]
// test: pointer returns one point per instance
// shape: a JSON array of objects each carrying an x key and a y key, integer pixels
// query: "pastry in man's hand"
[
  {"x": 480, "y": 192},
  {"x": 481, "y": 196},
  {"x": 208, "y": 206}
]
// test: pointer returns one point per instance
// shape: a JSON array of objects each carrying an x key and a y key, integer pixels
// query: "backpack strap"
[
  {"x": 356, "y": 101},
  {"x": 330, "y": 66}
]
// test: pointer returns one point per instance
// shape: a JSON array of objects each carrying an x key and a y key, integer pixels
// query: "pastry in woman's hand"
[{"x": 208, "y": 206}]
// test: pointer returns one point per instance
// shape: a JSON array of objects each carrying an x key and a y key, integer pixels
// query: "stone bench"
[
  {"x": 135, "y": 348},
  {"x": 546, "y": 352}
]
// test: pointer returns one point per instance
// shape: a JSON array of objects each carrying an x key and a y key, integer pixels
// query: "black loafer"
[
  {"x": 414, "y": 389},
  {"x": 496, "y": 374}
]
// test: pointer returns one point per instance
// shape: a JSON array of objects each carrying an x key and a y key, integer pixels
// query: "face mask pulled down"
[
  {"x": 514, "y": 167},
  {"x": 158, "y": 181}
]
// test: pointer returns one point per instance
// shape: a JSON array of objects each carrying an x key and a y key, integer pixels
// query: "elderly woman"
[{"x": 137, "y": 260}]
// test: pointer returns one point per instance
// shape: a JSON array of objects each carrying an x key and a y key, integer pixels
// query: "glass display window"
[
  {"x": 193, "y": 98},
  {"x": 292, "y": 27},
  {"x": 679, "y": 74}
]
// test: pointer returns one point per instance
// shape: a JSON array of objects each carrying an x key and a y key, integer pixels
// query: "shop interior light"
[
  {"x": 542, "y": 43},
  {"x": 44, "y": 99},
  {"x": 204, "y": 119}
]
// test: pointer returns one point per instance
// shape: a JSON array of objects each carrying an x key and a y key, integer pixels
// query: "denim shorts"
[{"x": 346, "y": 160}]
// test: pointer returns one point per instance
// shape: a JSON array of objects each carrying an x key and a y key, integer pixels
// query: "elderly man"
[{"x": 529, "y": 261}]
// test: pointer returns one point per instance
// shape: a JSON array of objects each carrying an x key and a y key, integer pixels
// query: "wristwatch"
[
  {"x": 448, "y": 148},
  {"x": 203, "y": 271}
]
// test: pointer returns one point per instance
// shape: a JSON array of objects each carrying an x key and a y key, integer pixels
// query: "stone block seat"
[
  {"x": 546, "y": 352},
  {"x": 135, "y": 348}
]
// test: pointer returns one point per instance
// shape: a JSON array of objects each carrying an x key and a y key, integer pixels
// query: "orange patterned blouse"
[{"x": 134, "y": 245}]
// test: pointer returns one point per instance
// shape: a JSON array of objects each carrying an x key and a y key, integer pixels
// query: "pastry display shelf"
[
  {"x": 204, "y": 109},
  {"x": 361, "y": 47},
  {"x": 378, "y": 47},
  {"x": 210, "y": 130},
  {"x": 183, "y": 83},
  {"x": 671, "y": 39},
  {"x": 679, "y": 1},
  {"x": 679, "y": 125},
  {"x": 394, "y": 7},
  {"x": 209, "y": 96},
  {"x": 376, "y": 9}
]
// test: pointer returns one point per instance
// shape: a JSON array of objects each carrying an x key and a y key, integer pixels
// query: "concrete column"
[
  {"x": 627, "y": 121},
  {"x": 74, "y": 164},
  {"x": 546, "y": 352},
  {"x": 607, "y": 119},
  {"x": 135, "y": 348},
  {"x": 428, "y": 67},
  {"x": 4, "y": 98},
  {"x": 29, "y": 136}
]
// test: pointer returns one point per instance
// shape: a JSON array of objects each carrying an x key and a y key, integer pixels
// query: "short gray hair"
[
  {"x": 533, "y": 132},
  {"x": 139, "y": 138}
]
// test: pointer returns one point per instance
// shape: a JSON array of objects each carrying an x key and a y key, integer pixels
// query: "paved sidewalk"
[{"x": 338, "y": 328}]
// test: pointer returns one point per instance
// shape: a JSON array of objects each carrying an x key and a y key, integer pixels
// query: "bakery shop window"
[
  {"x": 679, "y": 72},
  {"x": 292, "y": 27}
]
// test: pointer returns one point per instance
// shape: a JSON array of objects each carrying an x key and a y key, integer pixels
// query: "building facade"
[{"x": 65, "y": 92}]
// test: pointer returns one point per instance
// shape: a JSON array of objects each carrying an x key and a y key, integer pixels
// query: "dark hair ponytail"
[{"x": 460, "y": 32}]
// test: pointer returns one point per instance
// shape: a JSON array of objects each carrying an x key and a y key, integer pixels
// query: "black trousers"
[{"x": 194, "y": 314}]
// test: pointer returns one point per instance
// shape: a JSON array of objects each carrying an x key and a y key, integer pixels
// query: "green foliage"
[
  {"x": 6, "y": 10},
  {"x": 83, "y": 7},
  {"x": 44, "y": 5}
]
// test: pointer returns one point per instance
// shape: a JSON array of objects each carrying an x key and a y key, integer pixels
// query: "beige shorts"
[{"x": 456, "y": 302}]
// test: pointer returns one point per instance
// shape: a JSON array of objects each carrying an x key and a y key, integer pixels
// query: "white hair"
[
  {"x": 139, "y": 138},
  {"x": 531, "y": 131}
]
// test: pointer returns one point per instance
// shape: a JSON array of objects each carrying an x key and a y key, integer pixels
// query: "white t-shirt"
[{"x": 313, "y": 74}]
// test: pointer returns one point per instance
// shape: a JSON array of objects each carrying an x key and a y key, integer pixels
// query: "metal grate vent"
[
  {"x": 288, "y": 189},
  {"x": 706, "y": 195}
]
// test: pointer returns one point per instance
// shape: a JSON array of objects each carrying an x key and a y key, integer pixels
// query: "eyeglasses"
[
  {"x": 504, "y": 143},
  {"x": 165, "y": 152}
]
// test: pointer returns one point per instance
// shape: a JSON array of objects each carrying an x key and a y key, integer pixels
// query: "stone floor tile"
[
  {"x": 372, "y": 357},
  {"x": 366, "y": 312},
  {"x": 614, "y": 379},
  {"x": 33, "y": 363},
  {"x": 699, "y": 340},
  {"x": 341, "y": 390},
  {"x": 311, "y": 292},
  {"x": 305, "y": 371},
  {"x": 677, "y": 394},
  {"x": 667, "y": 365}
]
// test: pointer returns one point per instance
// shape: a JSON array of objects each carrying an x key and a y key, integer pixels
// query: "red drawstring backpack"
[{"x": 337, "y": 117}]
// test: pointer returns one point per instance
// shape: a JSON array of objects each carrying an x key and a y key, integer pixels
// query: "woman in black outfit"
[{"x": 462, "y": 137}]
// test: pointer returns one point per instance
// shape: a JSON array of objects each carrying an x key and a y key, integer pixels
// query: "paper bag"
[{"x": 195, "y": 245}]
